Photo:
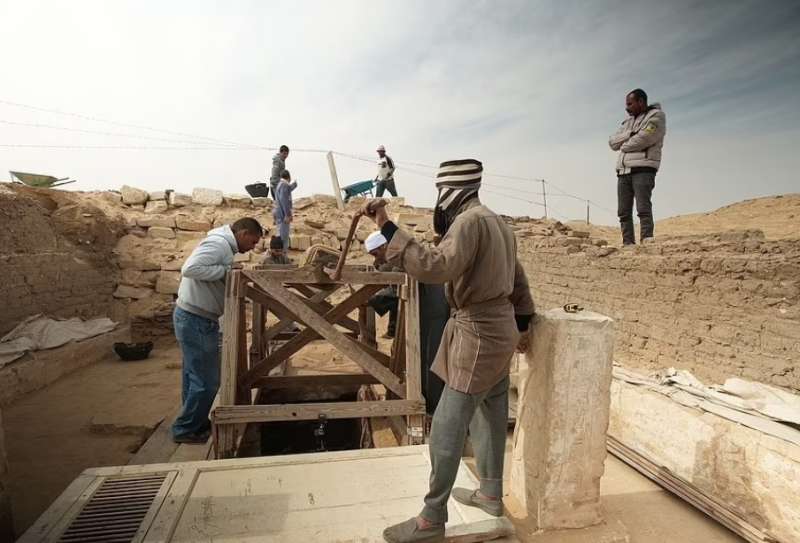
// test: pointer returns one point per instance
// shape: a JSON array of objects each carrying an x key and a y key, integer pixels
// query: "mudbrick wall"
[
  {"x": 719, "y": 305},
  {"x": 55, "y": 256}
]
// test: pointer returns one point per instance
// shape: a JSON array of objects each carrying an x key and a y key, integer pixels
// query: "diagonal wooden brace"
[{"x": 336, "y": 338}]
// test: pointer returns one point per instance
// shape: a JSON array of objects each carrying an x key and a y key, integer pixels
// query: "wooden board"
[
  {"x": 230, "y": 414},
  {"x": 349, "y": 276}
]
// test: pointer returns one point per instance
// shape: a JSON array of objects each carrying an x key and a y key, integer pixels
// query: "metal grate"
[{"x": 116, "y": 510}]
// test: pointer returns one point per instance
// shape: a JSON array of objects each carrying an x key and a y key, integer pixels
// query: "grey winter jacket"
[
  {"x": 639, "y": 140},
  {"x": 278, "y": 165},
  {"x": 202, "y": 288}
]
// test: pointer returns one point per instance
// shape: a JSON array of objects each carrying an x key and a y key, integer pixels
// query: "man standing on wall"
[
  {"x": 488, "y": 293},
  {"x": 385, "y": 178},
  {"x": 278, "y": 167},
  {"x": 639, "y": 140},
  {"x": 282, "y": 210},
  {"x": 201, "y": 300}
]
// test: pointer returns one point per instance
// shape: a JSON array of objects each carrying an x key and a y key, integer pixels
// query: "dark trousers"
[
  {"x": 380, "y": 186},
  {"x": 638, "y": 186},
  {"x": 382, "y": 303}
]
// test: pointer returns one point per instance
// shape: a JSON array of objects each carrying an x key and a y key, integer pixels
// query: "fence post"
[
  {"x": 337, "y": 191},
  {"x": 544, "y": 198}
]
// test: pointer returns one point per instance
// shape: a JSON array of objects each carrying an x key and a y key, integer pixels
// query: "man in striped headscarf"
[{"x": 491, "y": 305}]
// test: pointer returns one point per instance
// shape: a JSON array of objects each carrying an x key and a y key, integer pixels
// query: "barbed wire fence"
[{"x": 542, "y": 196}]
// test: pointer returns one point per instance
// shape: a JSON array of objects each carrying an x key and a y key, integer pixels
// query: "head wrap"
[
  {"x": 457, "y": 181},
  {"x": 373, "y": 241},
  {"x": 381, "y": 148}
]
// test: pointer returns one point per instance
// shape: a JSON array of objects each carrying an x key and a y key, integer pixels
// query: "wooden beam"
[
  {"x": 416, "y": 423},
  {"x": 312, "y": 381},
  {"x": 308, "y": 276},
  {"x": 300, "y": 340},
  {"x": 381, "y": 357},
  {"x": 232, "y": 325},
  {"x": 243, "y": 414},
  {"x": 337, "y": 191},
  {"x": 342, "y": 344},
  {"x": 366, "y": 325}
]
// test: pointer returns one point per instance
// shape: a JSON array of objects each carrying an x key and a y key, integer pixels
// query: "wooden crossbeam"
[
  {"x": 243, "y": 414},
  {"x": 308, "y": 276},
  {"x": 313, "y": 381},
  {"x": 324, "y": 328},
  {"x": 309, "y": 334}
]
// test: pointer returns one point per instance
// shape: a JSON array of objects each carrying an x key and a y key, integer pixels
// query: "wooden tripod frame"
[{"x": 300, "y": 295}]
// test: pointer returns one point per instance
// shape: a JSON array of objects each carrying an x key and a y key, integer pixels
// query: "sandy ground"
[
  {"x": 777, "y": 216},
  {"x": 97, "y": 416},
  {"x": 100, "y": 415}
]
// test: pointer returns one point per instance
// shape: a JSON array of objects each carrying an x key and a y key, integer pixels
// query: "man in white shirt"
[{"x": 385, "y": 178}]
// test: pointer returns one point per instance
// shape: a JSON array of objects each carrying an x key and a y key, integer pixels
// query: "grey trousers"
[
  {"x": 485, "y": 415},
  {"x": 639, "y": 186}
]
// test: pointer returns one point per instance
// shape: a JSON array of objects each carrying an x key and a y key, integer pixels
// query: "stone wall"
[
  {"x": 721, "y": 305},
  {"x": 55, "y": 256}
]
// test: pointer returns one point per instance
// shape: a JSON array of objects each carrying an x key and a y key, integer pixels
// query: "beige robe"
[{"x": 485, "y": 287}]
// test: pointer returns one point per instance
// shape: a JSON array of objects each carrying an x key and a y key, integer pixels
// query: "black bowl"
[{"x": 133, "y": 351}]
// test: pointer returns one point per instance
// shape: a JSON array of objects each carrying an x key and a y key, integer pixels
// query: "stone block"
[
  {"x": 137, "y": 207},
  {"x": 413, "y": 219},
  {"x": 168, "y": 282},
  {"x": 193, "y": 224},
  {"x": 241, "y": 201},
  {"x": 207, "y": 197},
  {"x": 177, "y": 199},
  {"x": 133, "y": 196},
  {"x": 127, "y": 291},
  {"x": 185, "y": 236},
  {"x": 319, "y": 225},
  {"x": 156, "y": 220},
  {"x": 260, "y": 202},
  {"x": 300, "y": 242},
  {"x": 562, "y": 417},
  {"x": 112, "y": 196},
  {"x": 161, "y": 232},
  {"x": 158, "y": 195},
  {"x": 173, "y": 264},
  {"x": 139, "y": 278},
  {"x": 302, "y": 203},
  {"x": 155, "y": 206}
]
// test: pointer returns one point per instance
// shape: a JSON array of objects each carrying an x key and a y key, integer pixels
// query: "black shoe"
[{"x": 199, "y": 438}]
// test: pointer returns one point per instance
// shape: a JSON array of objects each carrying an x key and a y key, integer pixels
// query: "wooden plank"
[
  {"x": 349, "y": 277},
  {"x": 416, "y": 423},
  {"x": 300, "y": 340},
  {"x": 688, "y": 493},
  {"x": 312, "y": 381},
  {"x": 159, "y": 446},
  {"x": 479, "y": 531},
  {"x": 242, "y": 393},
  {"x": 366, "y": 326},
  {"x": 335, "y": 337},
  {"x": 240, "y": 414},
  {"x": 337, "y": 191},
  {"x": 224, "y": 438},
  {"x": 258, "y": 344},
  {"x": 343, "y": 344},
  {"x": 381, "y": 357}
]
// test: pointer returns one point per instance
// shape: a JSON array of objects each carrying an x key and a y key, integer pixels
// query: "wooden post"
[
  {"x": 337, "y": 191},
  {"x": 232, "y": 324},
  {"x": 544, "y": 198},
  {"x": 416, "y": 423},
  {"x": 366, "y": 326},
  {"x": 257, "y": 346}
]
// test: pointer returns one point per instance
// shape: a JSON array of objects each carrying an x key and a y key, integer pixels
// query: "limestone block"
[
  {"x": 127, "y": 291},
  {"x": 413, "y": 219},
  {"x": 137, "y": 231},
  {"x": 177, "y": 199},
  {"x": 168, "y": 282},
  {"x": 112, "y": 196},
  {"x": 241, "y": 201},
  {"x": 184, "y": 236},
  {"x": 161, "y": 232},
  {"x": 156, "y": 220},
  {"x": 319, "y": 225},
  {"x": 193, "y": 224},
  {"x": 139, "y": 278},
  {"x": 300, "y": 242},
  {"x": 155, "y": 206},
  {"x": 562, "y": 417},
  {"x": 260, "y": 202},
  {"x": 207, "y": 197},
  {"x": 143, "y": 264},
  {"x": 137, "y": 207},
  {"x": 324, "y": 199},
  {"x": 173, "y": 264},
  {"x": 132, "y": 195},
  {"x": 158, "y": 195},
  {"x": 302, "y": 203}
]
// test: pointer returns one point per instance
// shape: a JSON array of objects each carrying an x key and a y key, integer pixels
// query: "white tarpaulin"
[
  {"x": 39, "y": 332},
  {"x": 759, "y": 406}
]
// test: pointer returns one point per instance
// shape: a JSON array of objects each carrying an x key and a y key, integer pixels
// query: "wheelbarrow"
[
  {"x": 39, "y": 180},
  {"x": 360, "y": 188}
]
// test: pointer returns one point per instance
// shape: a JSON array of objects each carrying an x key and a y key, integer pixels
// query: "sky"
[{"x": 193, "y": 93}]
